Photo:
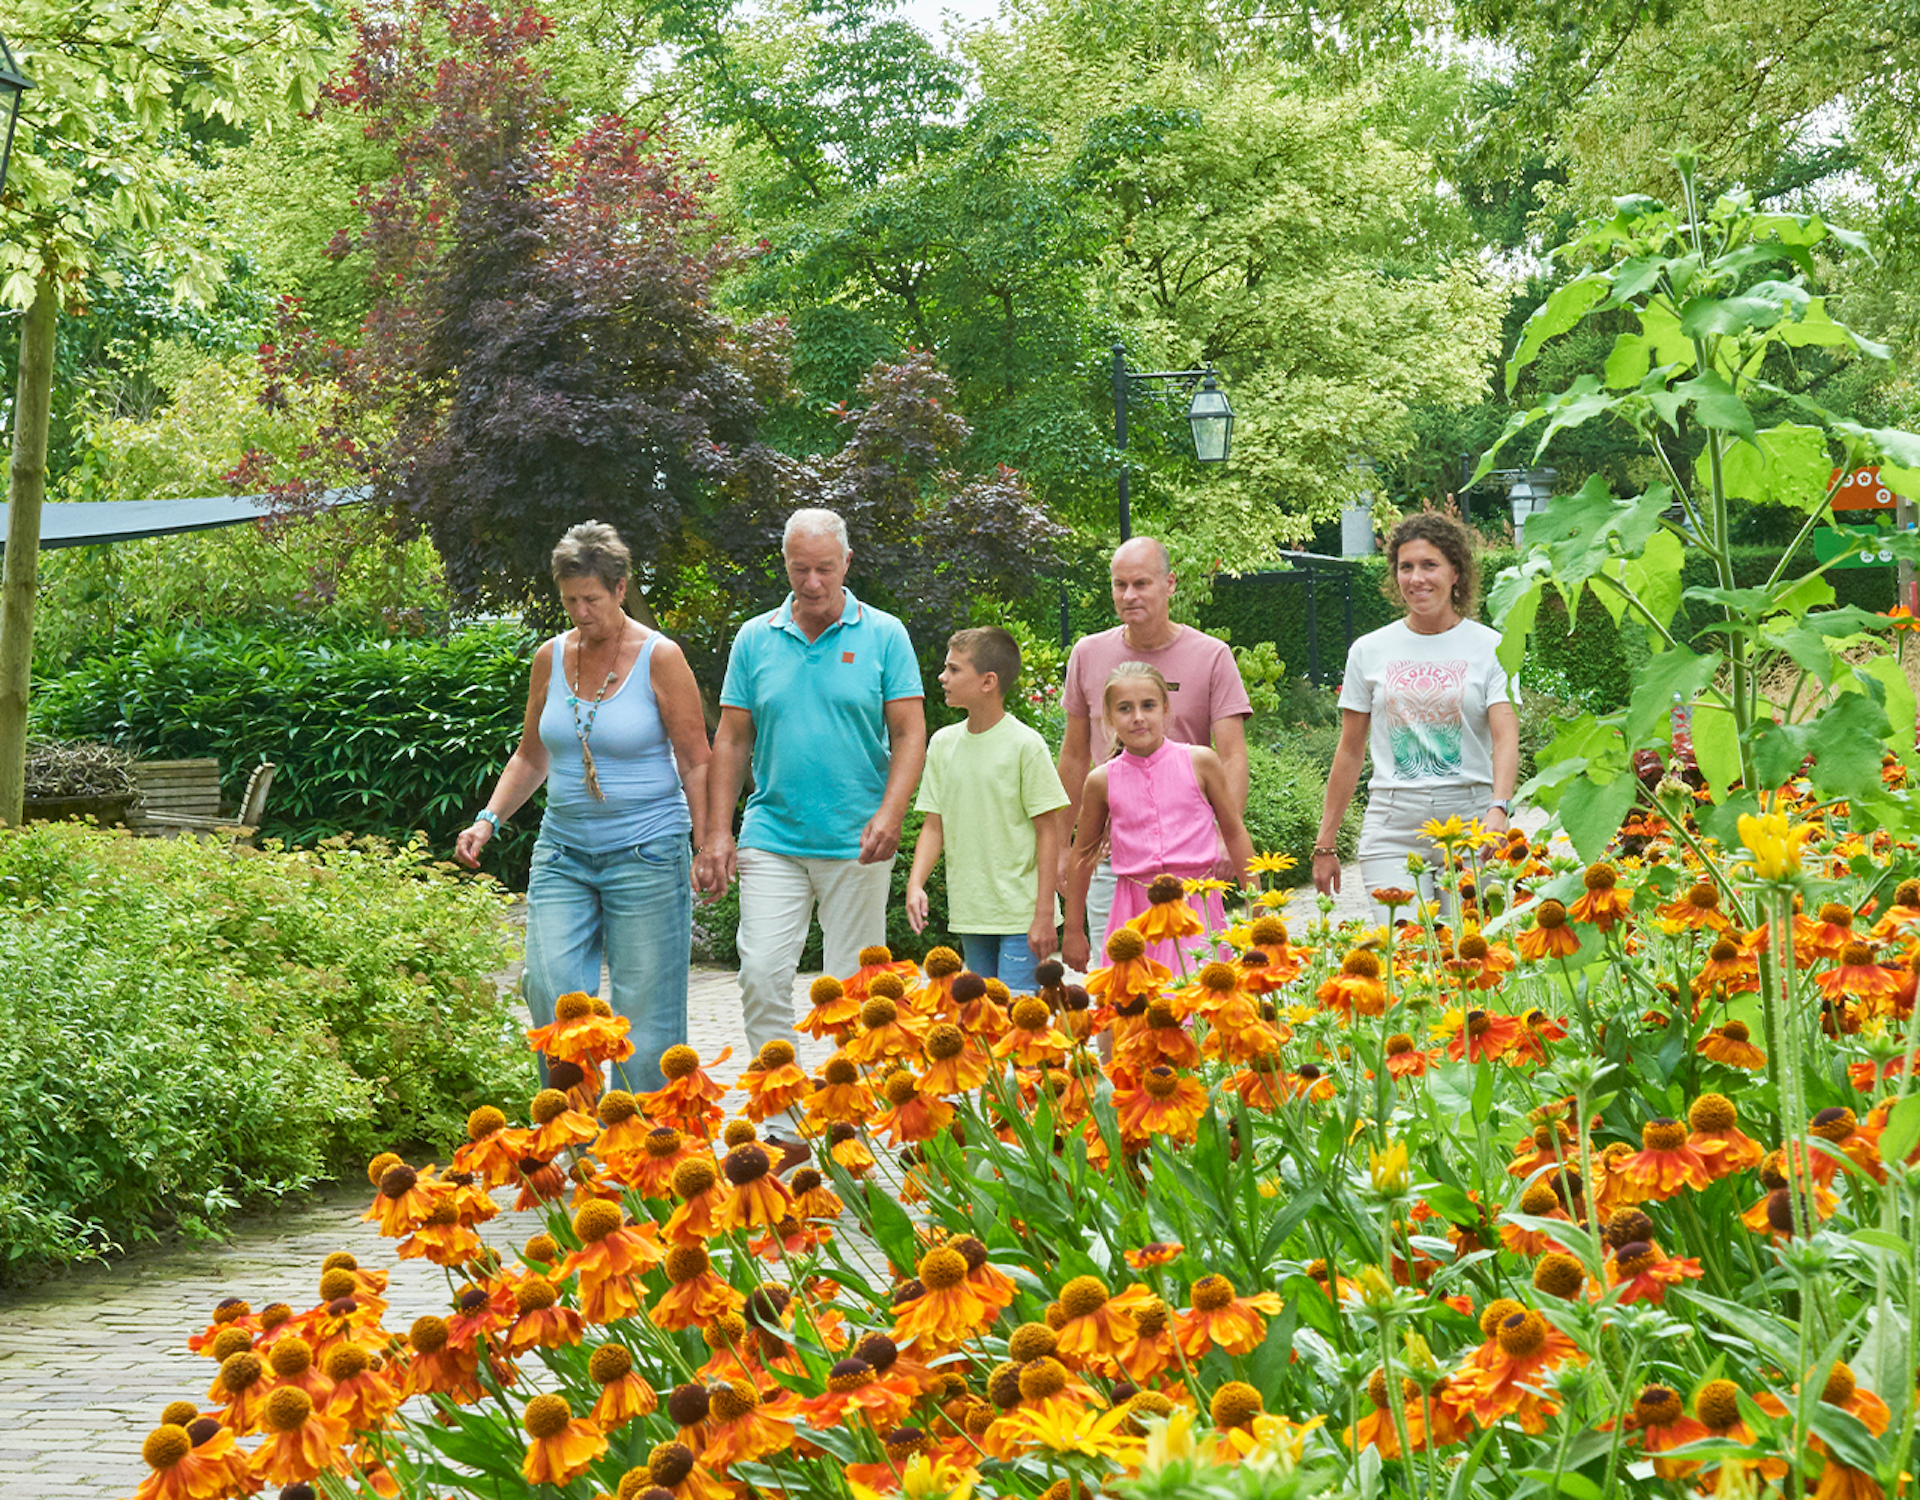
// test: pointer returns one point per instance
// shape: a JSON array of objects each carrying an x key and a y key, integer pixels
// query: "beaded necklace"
[{"x": 581, "y": 731}]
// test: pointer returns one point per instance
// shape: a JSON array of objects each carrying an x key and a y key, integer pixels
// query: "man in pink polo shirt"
[{"x": 1204, "y": 690}]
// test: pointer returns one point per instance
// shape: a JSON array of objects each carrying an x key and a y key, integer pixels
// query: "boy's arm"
[
  {"x": 925, "y": 852},
  {"x": 1212, "y": 776},
  {"x": 1087, "y": 838},
  {"x": 1042, "y": 937}
]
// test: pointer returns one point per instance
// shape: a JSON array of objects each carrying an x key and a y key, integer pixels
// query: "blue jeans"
[
  {"x": 635, "y": 905},
  {"x": 1007, "y": 959}
]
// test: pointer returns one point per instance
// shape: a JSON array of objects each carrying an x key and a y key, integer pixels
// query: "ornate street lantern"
[
  {"x": 13, "y": 83},
  {"x": 1212, "y": 421}
]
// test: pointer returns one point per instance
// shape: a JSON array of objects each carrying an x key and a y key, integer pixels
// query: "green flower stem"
[{"x": 1620, "y": 1416}]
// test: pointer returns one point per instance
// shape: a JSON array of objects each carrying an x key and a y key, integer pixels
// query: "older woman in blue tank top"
[{"x": 614, "y": 730}]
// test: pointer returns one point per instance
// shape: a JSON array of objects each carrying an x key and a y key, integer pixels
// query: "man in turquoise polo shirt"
[{"x": 823, "y": 694}]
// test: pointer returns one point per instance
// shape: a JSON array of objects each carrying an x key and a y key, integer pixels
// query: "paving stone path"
[{"x": 88, "y": 1360}]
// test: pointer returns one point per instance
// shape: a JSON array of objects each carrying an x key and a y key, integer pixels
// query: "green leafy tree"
[
  {"x": 1718, "y": 304},
  {"x": 95, "y": 167}
]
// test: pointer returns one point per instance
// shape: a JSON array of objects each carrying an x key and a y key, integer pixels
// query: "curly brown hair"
[{"x": 1456, "y": 544}]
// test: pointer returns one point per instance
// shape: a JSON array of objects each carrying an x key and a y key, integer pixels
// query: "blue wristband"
[{"x": 488, "y": 815}]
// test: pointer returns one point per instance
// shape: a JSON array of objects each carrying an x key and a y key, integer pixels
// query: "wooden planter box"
[{"x": 110, "y": 811}]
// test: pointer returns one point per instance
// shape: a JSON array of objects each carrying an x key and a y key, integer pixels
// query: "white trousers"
[
  {"x": 1391, "y": 831},
  {"x": 778, "y": 893}
]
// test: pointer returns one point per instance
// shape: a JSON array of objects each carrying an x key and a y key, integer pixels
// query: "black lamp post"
[
  {"x": 13, "y": 83},
  {"x": 1208, "y": 414}
]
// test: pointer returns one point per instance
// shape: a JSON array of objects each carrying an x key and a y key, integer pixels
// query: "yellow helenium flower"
[
  {"x": 1271, "y": 864},
  {"x": 1774, "y": 844},
  {"x": 1170, "y": 1441},
  {"x": 1389, "y": 1168}
]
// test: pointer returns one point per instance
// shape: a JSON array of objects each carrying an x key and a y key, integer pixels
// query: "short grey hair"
[
  {"x": 592, "y": 549},
  {"x": 816, "y": 522}
]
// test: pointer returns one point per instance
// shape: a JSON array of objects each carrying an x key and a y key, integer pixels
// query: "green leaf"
[
  {"x": 1879, "y": 1239},
  {"x": 1592, "y": 813},
  {"x": 1850, "y": 1438},
  {"x": 1900, "y": 705},
  {"x": 1716, "y": 747},
  {"x": 1582, "y": 531},
  {"x": 1560, "y": 312},
  {"x": 1715, "y": 405},
  {"x": 1667, "y": 674},
  {"x": 1516, "y": 618},
  {"x": 1723, "y": 317},
  {"x": 1846, "y": 742},
  {"x": 1903, "y": 1130},
  {"x": 1768, "y": 1334},
  {"x": 1784, "y": 465},
  {"x": 1482, "y": 1101},
  {"x": 1815, "y": 327},
  {"x": 1655, "y": 575},
  {"x": 1627, "y": 363}
]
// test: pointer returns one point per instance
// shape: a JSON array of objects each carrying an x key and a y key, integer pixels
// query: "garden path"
[{"x": 88, "y": 1360}]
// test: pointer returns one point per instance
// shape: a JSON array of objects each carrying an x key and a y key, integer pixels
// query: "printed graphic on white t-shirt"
[{"x": 1422, "y": 710}]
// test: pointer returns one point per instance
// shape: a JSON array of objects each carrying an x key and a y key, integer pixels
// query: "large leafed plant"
[{"x": 1713, "y": 305}]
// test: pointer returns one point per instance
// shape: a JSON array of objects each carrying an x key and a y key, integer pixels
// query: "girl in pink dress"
[{"x": 1161, "y": 806}]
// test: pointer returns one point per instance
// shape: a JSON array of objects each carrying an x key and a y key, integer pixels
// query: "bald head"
[
  {"x": 1143, "y": 552},
  {"x": 1143, "y": 591}
]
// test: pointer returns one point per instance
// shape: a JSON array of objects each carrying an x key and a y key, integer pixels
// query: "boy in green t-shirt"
[{"x": 992, "y": 798}]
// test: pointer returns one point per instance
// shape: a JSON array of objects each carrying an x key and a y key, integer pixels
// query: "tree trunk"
[{"x": 26, "y": 489}]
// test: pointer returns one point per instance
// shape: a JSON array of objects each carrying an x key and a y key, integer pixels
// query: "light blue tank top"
[{"x": 632, "y": 757}]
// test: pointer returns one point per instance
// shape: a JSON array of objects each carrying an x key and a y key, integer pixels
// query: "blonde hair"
[{"x": 1130, "y": 671}]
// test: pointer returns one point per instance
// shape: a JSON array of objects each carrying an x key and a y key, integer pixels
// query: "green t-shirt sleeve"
[
  {"x": 1040, "y": 788},
  {"x": 932, "y": 779}
]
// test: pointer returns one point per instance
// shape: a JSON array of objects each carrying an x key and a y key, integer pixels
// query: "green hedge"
[
  {"x": 188, "y": 1028},
  {"x": 1590, "y": 666},
  {"x": 371, "y": 734}
]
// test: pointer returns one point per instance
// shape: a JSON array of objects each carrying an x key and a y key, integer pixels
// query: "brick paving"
[{"x": 89, "y": 1360}]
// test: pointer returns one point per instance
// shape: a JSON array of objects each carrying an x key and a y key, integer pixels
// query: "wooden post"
[{"x": 26, "y": 489}]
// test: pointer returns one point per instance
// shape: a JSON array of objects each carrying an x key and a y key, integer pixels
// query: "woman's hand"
[
  {"x": 1494, "y": 821},
  {"x": 916, "y": 908},
  {"x": 472, "y": 840},
  {"x": 1075, "y": 950},
  {"x": 1326, "y": 873}
]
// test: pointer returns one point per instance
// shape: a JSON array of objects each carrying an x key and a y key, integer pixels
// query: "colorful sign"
[{"x": 1861, "y": 490}]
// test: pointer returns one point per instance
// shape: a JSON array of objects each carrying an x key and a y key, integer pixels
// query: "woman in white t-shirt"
[{"x": 1427, "y": 696}]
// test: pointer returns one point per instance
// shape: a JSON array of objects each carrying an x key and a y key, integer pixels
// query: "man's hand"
[
  {"x": 880, "y": 839},
  {"x": 1042, "y": 939},
  {"x": 472, "y": 840},
  {"x": 715, "y": 866},
  {"x": 916, "y": 908},
  {"x": 1326, "y": 874}
]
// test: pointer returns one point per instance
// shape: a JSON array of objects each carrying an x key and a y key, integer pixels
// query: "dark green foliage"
[
  {"x": 716, "y": 925},
  {"x": 1285, "y": 792},
  {"x": 336, "y": 1002},
  {"x": 379, "y": 735}
]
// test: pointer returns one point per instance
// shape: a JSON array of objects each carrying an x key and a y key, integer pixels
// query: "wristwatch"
[
  {"x": 488, "y": 815},
  {"x": 1504, "y": 805}
]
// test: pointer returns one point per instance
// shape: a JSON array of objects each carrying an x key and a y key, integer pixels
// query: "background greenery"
[{"x": 188, "y": 1027}]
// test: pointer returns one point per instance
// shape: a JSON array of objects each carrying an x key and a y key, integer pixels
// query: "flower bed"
[{"x": 1607, "y": 1190}]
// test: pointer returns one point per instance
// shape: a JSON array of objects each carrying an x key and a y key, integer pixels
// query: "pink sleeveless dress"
[{"x": 1159, "y": 822}]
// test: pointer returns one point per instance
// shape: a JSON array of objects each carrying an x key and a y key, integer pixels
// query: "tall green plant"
[{"x": 1713, "y": 302}]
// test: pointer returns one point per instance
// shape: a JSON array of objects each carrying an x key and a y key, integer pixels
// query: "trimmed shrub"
[
  {"x": 1285, "y": 791},
  {"x": 189, "y": 1027},
  {"x": 372, "y": 734}
]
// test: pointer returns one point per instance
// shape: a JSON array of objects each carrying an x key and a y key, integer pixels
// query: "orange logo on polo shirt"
[{"x": 846, "y": 656}]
